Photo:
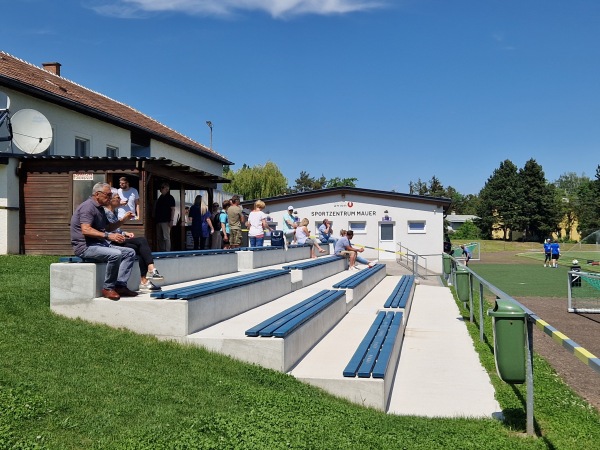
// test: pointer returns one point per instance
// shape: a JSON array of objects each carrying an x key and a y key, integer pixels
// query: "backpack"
[{"x": 216, "y": 221}]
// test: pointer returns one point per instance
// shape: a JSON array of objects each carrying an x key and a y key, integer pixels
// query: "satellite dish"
[
  {"x": 31, "y": 131},
  {"x": 4, "y": 101}
]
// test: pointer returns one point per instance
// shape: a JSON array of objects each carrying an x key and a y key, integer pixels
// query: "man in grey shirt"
[{"x": 92, "y": 239}]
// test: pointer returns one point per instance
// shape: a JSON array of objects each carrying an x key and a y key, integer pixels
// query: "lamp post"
[{"x": 209, "y": 123}]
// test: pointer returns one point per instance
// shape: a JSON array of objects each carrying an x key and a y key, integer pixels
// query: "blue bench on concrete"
[
  {"x": 187, "y": 253},
  {"x": 282, "y": 324},
  {"x": 312, "y": 263},
  {"x": 202, "y": 289},
  {"x": 399, "y": 296},
  {"x": 354, "y": 280},
  {"x": 373, "y": 355}
]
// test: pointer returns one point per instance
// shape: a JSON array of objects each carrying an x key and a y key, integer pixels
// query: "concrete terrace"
[{"x": 433, "y": 368}]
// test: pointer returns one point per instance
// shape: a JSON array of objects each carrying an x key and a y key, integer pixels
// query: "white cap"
[
  {"x": 290, "y": 208},
  {"x": 575, "y": 261}
]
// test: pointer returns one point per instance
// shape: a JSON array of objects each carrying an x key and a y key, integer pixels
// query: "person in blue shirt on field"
[
  {"x": 555, "y": 250},
  {"x": 547, "y": 253},
  {"x": 466, "y": 253}
]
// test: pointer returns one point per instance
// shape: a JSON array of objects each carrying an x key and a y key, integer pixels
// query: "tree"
[
  {"x": 257, "y": 181},
  {"x": 567, "y": 198},
  {"x": 588, "y": 208},
  {"x": 305, "y": 183},
  {"x": 468, "y": 230},
  {"x": 418, "y": 188},
  {"x": 499, "y": 201},
  {"x": 341, "y": 182},
  {"x": 539, "y": 213}
]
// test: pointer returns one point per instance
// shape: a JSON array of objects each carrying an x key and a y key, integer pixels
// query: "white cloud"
[{"x": 275, "y": 8}]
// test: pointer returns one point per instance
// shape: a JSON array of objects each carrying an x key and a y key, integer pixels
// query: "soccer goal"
[
  {"x": 474, "y": 248},
  {"x": 584, "y": 292}
]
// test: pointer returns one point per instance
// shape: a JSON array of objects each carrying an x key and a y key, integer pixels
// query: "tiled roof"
[{"x": 25, "y": 77}]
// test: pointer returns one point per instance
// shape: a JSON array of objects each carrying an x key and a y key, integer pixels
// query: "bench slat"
[
  {"x": 293, "y": 324},
  {"x": 355, "y": 279},
  {"x": 259, "y": 329},
  {"x": 312, "y": 263},
  {"x": 201, "y": 289},
  {"x": 383, "y": 358},
  {"x": 365, "y": 369},
  {"x": 356, "y": 360},
  {"x": 399, "y": 296}
]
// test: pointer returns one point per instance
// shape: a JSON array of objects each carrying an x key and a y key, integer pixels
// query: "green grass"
[{"x": 67, "y": 384}]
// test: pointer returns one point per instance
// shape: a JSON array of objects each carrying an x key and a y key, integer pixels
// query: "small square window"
[
  {"x": 416, "y": 226},
  {"x": 112, "y": 152},
  {"x": 358, "y": 227},
  {"x": 82, "y": 147}
]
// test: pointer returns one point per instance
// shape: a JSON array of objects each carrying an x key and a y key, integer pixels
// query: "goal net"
[{"x": 584, "y": 292}]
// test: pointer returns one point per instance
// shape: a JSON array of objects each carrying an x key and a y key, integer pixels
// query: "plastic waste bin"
[
  {"x": 447, "y": 264},
  {"x": 509, "y": 340},
  {"x": 462, "y": 284}
]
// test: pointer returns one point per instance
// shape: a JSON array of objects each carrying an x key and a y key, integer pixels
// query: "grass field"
[{"x": 67, "y": 384}]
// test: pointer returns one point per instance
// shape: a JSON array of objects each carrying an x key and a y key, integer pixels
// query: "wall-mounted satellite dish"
[{"x": 31, "y": 131}]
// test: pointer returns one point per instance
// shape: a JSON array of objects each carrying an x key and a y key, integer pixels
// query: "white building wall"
[
  {"x": 9, "y": 208},
  {"x": 355, "y": 211},
  {"x": 68, "y": 125},
  {"x": 159, "y": 149}
]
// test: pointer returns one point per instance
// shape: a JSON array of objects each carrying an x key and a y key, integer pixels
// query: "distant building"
[{"x": 455, "y": 221}]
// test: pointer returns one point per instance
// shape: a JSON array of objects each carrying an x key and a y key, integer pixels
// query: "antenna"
[
  {"x": 31, "y": 131},
  {"x": 5, "y": 128}
]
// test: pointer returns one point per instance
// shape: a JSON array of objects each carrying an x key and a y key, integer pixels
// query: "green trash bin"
[
  {"x": 447, "y": 264},
  {"x": 509, "y": 340},
  {"x": 462, "y": 284}
]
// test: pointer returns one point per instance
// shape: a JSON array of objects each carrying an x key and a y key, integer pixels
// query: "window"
[
  {"x": 82, "y": 147},
  {"x": 387, "y": 231},
  {"x": 112, "y": 152},
  {"x": 358, "y": 227},
  {"x": 416, "y": 226}
]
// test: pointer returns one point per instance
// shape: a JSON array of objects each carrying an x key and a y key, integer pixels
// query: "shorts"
[
  {"x": 235, "y": 237},
  {"x": 555, "y": 256}
]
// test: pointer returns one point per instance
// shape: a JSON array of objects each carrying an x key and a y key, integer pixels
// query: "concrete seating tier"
[
  {"x": 377, "y": 351},
  {"x": 401, "y": 293},
  {"x": 306, "y": 273},
  {"x": 361, "y": 283},
  {"x": 256, "y": 257}
]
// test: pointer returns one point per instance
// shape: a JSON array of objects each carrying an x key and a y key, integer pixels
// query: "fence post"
[
  {"x": 529, "y": 377},
  {"x": 480, "y": 312}
]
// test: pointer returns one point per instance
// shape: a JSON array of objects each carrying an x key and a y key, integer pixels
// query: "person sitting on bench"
[
  {"x": 92, "y": 237},
  {"x": 139, "y": 245},
  {"x": 343, "y": 246}
]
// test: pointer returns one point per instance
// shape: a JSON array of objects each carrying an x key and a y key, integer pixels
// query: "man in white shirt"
[
  {"x": 130, "y": 199},
  {"x": 289, "y": 225}
]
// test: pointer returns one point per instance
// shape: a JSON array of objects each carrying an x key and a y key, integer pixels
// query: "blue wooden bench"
[
  {"x": 312, "y": 263},
  {"x": 282, "y": 324},
  {"x": 70, "y": 259},
  {"x": 202, "y": 289},
  {"x": 374, "y": 352},
  {"x": 354, "y": 280},
  {"x": 399, "y": 296},
  {"x": 186, "y": 253}
]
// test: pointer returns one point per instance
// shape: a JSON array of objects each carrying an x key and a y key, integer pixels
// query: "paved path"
[{"x": 439, "y": 374}]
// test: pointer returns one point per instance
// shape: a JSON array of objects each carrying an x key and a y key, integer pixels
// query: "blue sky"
[{"x": 386, "y": 91}]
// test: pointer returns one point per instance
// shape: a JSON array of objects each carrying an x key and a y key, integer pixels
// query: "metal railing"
[
  {"x": 531, "y": 319},
  {"x": 414, "y": 262}
]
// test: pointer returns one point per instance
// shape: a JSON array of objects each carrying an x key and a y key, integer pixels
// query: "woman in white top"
[
  {"x": 302, "y": 236},
  {"x": 257, "y": 221}
]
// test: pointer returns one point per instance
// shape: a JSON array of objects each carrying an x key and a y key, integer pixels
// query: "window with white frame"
[
  {"x": 111, "y": 151},
  {"x": 82, "y": 147},
  {"x": 358, "y": 227},
  {"x": 417, "y": 226}
]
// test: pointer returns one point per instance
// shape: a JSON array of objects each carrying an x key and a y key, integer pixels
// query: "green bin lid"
[{"x": 506, "y": 308}]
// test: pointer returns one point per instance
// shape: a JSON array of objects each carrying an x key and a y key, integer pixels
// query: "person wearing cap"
[{"x": 289, "y": 225}]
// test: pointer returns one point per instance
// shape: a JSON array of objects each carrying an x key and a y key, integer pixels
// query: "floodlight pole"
[{"x": 210, "y": 125}]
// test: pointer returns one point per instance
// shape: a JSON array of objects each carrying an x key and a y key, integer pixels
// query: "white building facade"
[{"x": 383, "y": 222}]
